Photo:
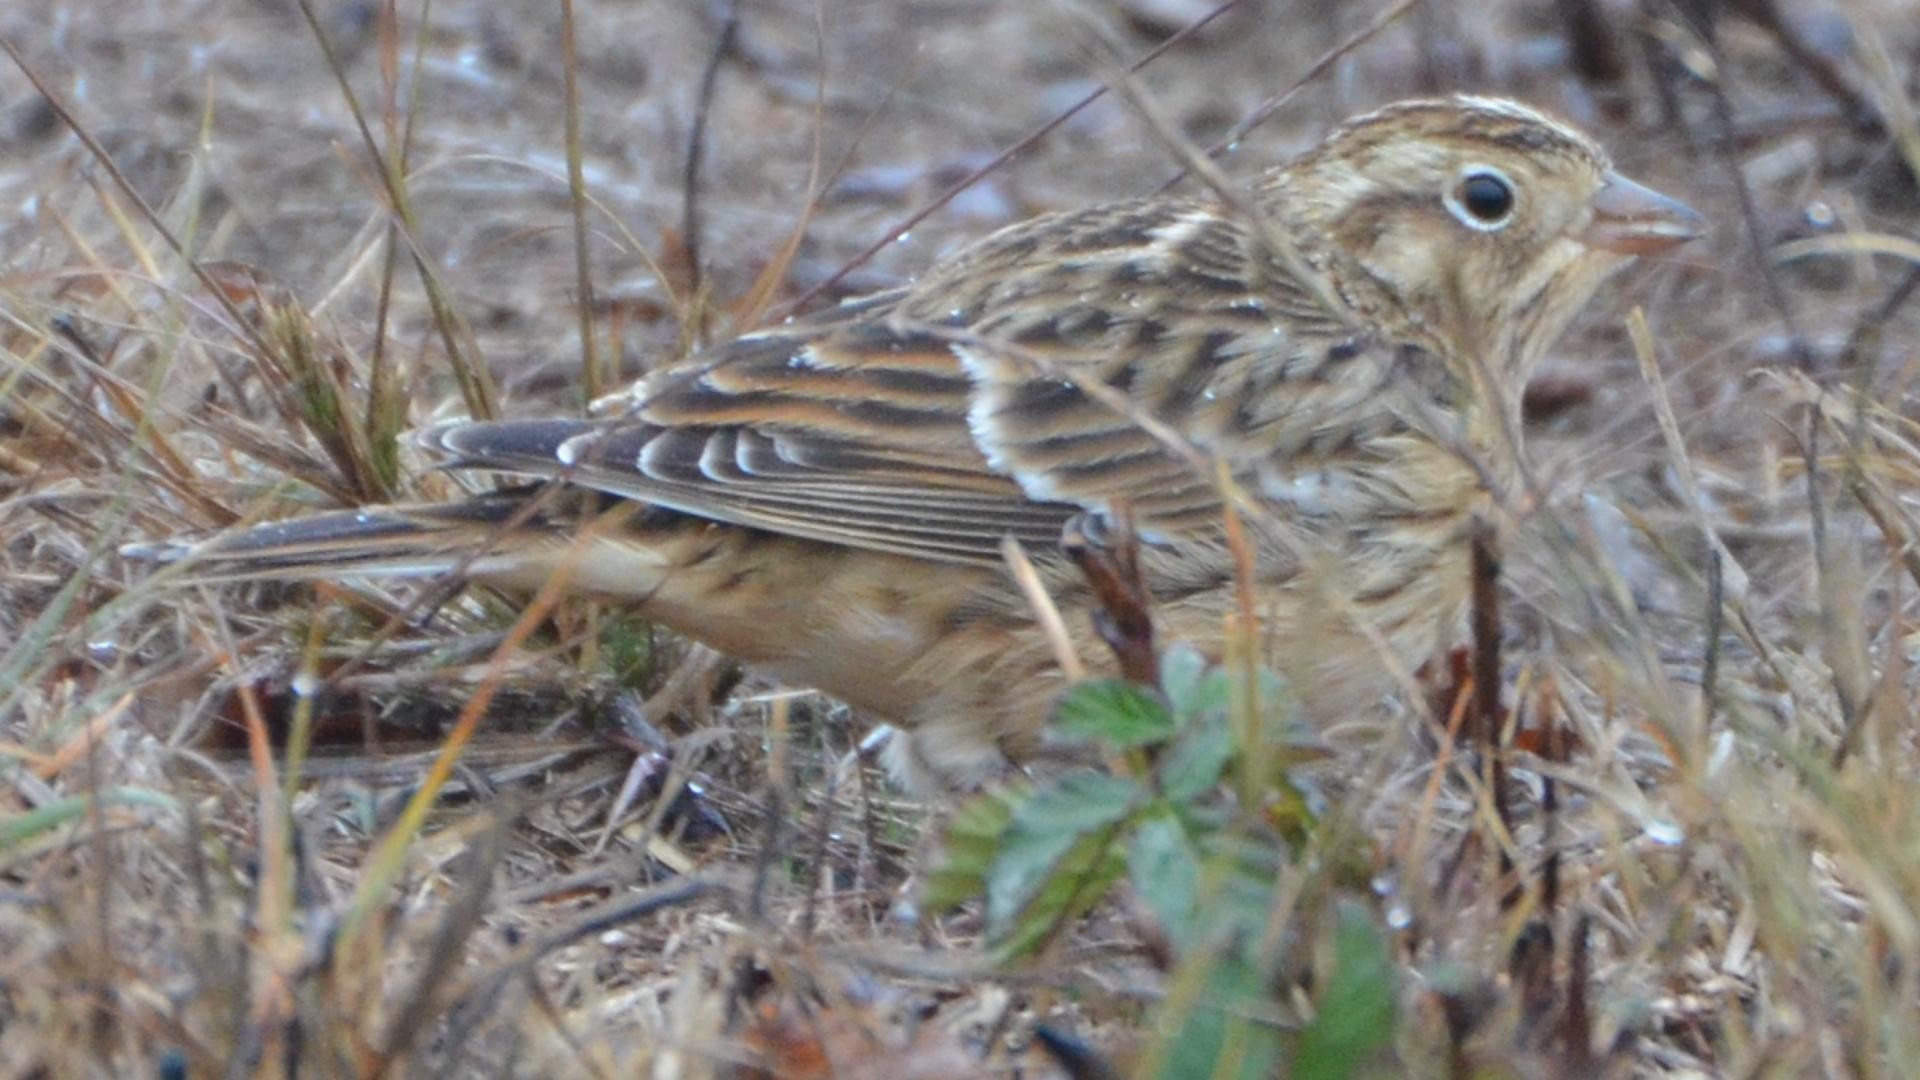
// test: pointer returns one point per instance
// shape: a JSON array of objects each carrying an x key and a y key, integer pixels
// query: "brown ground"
[{"x": 520, "y": 933}]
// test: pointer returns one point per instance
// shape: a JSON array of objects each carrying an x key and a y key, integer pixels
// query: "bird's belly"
[
  {"x": 955, "y": 653},
  {"x": 1345, "y": 631}
]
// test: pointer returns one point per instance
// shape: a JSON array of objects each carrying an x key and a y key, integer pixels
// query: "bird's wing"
[
  {"x": 937, "y": 420},
  {"x": 857, "y": 437},
  {"x": 1135, "y": 346}
]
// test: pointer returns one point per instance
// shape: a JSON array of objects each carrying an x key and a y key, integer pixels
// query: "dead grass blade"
[{"x": 463, "y": 355}]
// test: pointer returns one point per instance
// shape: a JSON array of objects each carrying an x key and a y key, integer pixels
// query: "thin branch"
[
  {"x": 1265, "y": 110},
  {"x": 1020, "y": 146},
  {"x": 577, "y": 187},
  {"x": 696, "y": 156}
]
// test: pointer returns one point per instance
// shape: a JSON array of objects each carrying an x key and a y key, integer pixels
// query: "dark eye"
[{"x": 1485, "y": 198}]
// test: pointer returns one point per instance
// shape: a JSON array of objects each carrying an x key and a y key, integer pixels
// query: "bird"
[{"x": 1337, "y": 347}]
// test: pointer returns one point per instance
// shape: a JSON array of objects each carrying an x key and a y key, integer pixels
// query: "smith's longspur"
[{"x": 1346, "y": 341}]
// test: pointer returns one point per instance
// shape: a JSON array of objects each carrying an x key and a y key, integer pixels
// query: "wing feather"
[{"x": 937, "y": 420}]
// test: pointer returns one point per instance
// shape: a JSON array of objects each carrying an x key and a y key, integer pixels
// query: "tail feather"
[{"x": 417, "y": 540}]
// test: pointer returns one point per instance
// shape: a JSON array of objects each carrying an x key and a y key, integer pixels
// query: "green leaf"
[
  {"x": 17, "y": 829},
  {"x": 1355, "y": 1014},
  {"x": 1079, "y": 880},
  {"x": 1189, "y": 681},
  {"x": 1198, "y": 757},
  {"x": 1113, "y": 711},
  {"x": 1165, "y": 869},
  {"x": 626, "y": 650},
  {"x": 967, "y": 849},
  {"x": 1239, "y": 874},
  {"x": 1217, "y": 1037},
  {"x": 1045, "y": 828}
]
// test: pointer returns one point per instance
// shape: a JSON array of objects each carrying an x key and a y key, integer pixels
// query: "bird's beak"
[{"x": 1632, "y": 219}]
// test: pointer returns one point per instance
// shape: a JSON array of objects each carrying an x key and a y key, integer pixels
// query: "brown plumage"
[{"x": 1349, "y": 340}]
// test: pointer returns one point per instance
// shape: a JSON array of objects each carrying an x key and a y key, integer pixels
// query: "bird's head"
[{"x": 1486, "y": 224}]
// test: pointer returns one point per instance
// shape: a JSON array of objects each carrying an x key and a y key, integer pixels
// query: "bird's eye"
[{"x": 1483, "y": 199}]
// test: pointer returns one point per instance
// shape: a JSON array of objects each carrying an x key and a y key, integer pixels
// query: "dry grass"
[{"x": 340, "y": 830}]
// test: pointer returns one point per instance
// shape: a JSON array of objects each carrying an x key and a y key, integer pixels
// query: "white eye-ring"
[{"x": 1482, "y": 199}]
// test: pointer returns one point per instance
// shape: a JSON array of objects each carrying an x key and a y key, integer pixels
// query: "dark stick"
[
  {"x": 1486, "y": 675},
  {"x": 1802, "y": 352},
  {"x": 1267, "y": 108},
  {"x": 1021, "y": 146},
  {"x": 1124, "y": 618},
  {"x": 697, "y": 146}
]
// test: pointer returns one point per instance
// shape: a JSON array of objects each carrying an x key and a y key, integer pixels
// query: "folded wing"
[{"x": 934, "y": 421}]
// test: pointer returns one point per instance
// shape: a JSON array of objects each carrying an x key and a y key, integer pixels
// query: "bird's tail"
[{"x": 476, "y": 537}]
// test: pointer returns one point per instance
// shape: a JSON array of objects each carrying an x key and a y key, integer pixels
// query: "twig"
[
  {"x": 696, "y": 155},
  {"x": 1020, "y": 146},
  {"x": 1576, "y": 1022},
  {"x": 1866, "y": 333},
  {"x": 1592, "y": 51},
  {"x": 1866, "y": 118},
  {"x": 822, "y": 833},
  {"x": 1123, "y": 618},
  {"x": 1803, "y": 359},
  {"x": 1486, "y": 675},
  {"x": 773, "y": 829},
  {"x": 577, "y": 187},
  {"x": 1556, "y": 751},
  {"x": 1265, "y": 110},
  {"x": 1716, "y": 620}
]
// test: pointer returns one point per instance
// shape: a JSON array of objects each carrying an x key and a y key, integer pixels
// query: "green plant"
[{"x": 1199, "y": 814}]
